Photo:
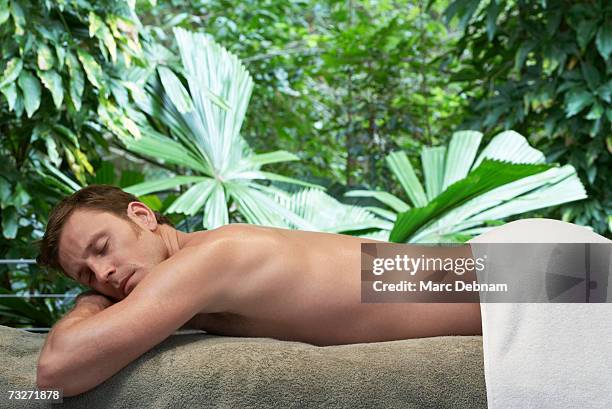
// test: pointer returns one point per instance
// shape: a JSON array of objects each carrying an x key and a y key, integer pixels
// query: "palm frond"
[
  {"x": 488, "y": 176},
  {"x": 327, "y": 214}
]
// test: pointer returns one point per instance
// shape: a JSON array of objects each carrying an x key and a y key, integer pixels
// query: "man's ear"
[{"x": 141, "y": 214}]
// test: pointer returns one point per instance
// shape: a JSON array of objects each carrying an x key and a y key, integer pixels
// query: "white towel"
[{"x": 539, "y": 355}]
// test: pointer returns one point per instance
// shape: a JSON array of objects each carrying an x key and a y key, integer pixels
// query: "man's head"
[{"x": 100, "y": 236}]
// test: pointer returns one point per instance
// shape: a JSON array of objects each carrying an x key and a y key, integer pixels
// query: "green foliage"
[
  {"x": 486, "y": 177},
  {"x": 341, "y": 84},
  {"x": 466, "y": 194},
  {"x": 198, "y": 128},
  {"x": 62, "y": 89},
  {"x": 543, "y": 68},
  {"x": 61, "y": 66},
  {"x": 324, "y": 213}
]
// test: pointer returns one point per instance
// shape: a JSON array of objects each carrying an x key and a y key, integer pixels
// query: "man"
[{"x": 150, "y": 279}]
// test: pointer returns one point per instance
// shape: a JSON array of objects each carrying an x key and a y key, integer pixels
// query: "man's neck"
[{"x": 173, "y": 239}]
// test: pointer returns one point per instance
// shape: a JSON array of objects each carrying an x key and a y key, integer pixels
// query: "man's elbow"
[{"x": 49, "y": 376}]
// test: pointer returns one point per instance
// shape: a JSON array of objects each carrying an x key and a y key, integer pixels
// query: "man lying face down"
[{"x": 149, "y": 279}]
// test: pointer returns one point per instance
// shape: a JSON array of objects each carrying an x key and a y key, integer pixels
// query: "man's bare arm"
[{"x": 93, "y": 344}]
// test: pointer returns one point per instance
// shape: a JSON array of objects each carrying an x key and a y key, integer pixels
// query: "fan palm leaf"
[
  {"x": 202, "y": 106},
  {"x": 466, "y": 191}
]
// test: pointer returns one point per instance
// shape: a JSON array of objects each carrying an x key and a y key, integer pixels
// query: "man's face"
[{"x": 104, "y": 251}]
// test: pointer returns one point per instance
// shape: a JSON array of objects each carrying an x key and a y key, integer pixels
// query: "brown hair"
[{"x": 105, "y": 198}]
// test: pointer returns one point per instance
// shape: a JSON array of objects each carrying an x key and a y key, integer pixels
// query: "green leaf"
[
  {"x": 161, "y": 147},
  {"x": 460, "y": 156},
  {"x": 522, "y": 54},
  {"x": 131, "y": 126},
  {"x": 152, "y": 201},
  {"x": 603, "y": 41},
  {"x": 10, "y": 93},
  {"x": 4, "y": 11},
  {"x": 95, "y": 23},
  {"x": 5, "y": 192},
  {"x": 388, "y": 199},
  {"x": 489, "y": 175},
  {"x": 585, "y": 32},
  {"x": 68, "y": 134},
  {"x": 259, "y": 208},
  {"x": 109, "y": 42},
  {"x": 325, "y": 213},
  {"x": 510, "y": 146},
  {"x": 20, "y": 196},
  {"x": 549, "y": 188},
  {"x": 576, "y": 101},
  {"x": 10, "y": 222},
  {"x": 162, "y": 184},
  {"x": 45, "y": 57},
  {"x": 11, "y": 72},
  {"x": 53, "y": 82},
  {"x": 194, "y": 198},
  {"x": 77, "y": 81},
  {"x": 62, "y": 180},
  {"x": 605, "y": 91},
  {"x": 92, "y": 69},
  {"x": 433, "y": 162},
  {"x": 30, "y": 87},
  {"x": 105, "y": 174},
  {"x": 175, "y": 90},
  {"x": 402, "y": 169},
  {"x": 259, "y": 174},
  {"x": 591, "y": 75},
  {"x": 215, "y": 209},
  {"x": 463, "y": 9},
  {"x": 492, "y": 13},
  {"x": 130, "y": 178},
  {"x": 52, "y": 151},
  {"x": 60, "y": 53},
  {"x": 18, "y": 18},
  {"x": 596, "y": 111},
  {"x": 272, "y": 157},
  {"x": 217, "y": 80}
]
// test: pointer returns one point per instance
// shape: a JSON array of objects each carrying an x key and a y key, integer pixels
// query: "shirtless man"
[{"x": 150, "y": 279}]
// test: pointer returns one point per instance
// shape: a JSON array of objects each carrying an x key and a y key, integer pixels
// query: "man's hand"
[{"x": 94, "y": 298}]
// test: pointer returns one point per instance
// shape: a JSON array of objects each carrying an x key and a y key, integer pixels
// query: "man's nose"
[{"x": 103, "y": 271}]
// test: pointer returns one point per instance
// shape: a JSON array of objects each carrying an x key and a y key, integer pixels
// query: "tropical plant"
[
  {"x": 326, "y": 214},
  {"x": 203, "y": 123},
  {"x": 543, "y": 69},
  {"x": 465, "y": 195},
  {"x": 61, "y": 66},
  {"x": 340, "y": 84}
]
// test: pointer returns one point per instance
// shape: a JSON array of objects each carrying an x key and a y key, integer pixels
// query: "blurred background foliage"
[{"x": 340, "y": 85}]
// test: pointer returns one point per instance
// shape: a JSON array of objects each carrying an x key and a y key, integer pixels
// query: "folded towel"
[
  {"x": 200, "y": 370},
  {"x": 539, "y": 355}
]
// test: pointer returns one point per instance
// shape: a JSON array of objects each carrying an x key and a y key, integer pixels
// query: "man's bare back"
[{"x": 308, "y": 288}]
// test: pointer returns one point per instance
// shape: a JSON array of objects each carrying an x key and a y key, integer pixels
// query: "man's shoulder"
[
  {"x": 234, "y": 247},
  {"x": 223, "y": 257},
  {"x": 235, "y": 235}
]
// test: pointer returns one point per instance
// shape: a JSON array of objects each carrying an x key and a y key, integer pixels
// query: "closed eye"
[{"x": 103, "y": 250}]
